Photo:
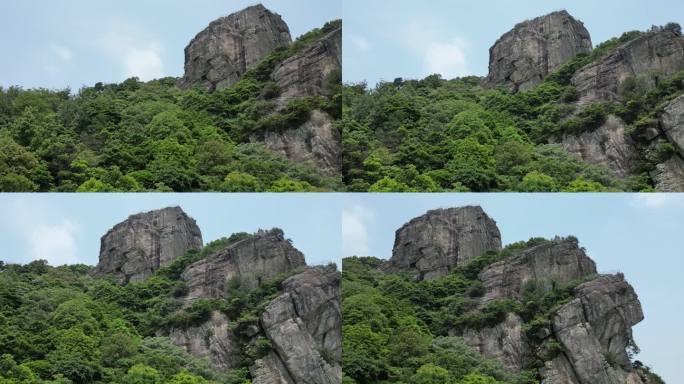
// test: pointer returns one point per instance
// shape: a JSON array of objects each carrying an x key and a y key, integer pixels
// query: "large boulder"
[
  {"x": 305, "y": 73},
  {"x": 220, "y": 55},
  {"x": 559, "y": 261},
  {"x": 504, "y": 342},
  {"x": 432, "y": 245},
  {"x": 672, "y": 123},
  {"x": 609, "y": 145},
  {"x": 260, "y": 256},
  {"x": 521, "y": 58},
  {"x": 304, "y": 326},
  {"x": 135, "y": 248},
  {"x": 669, "y": 176},
  {"x": 649, "y": 58},
  {"x": 317, "y": 141}
]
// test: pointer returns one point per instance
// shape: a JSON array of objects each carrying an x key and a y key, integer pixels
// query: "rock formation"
[
  {"x": 560, "y": 260},
  {"x": 432, "y": 245},
  {"x": 135, "y": 248},
  {"x": 219, "y": 55},
  {"x": 260, "y": 256},
  {"x": 521, "y": 58},
  {"x": 317, "y": 142},
  {"x": 304, "y": 74},
  {"x": 672, "y": 122},
  {"x": 304, "y": 325},
  {"x": 651, "y": 57},
  {"x": 609, "y": 146}
]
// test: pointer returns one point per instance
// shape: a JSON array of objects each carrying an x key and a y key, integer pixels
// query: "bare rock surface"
[
  {"x": 260, "y": 256},
  {"x": 317, "y": 142},
  {"x": 523, "y": 57},
  {"x": 220, "y": 55},
  {"x": 672, "y": 123},
  {"x": 560, "y": 260},
  {"x": 135, "y": 248},
  {"x": 669, "y": 176},
  {"x": 504, "y": 342},
  {"x": 609, "y": 146},
  {"x": 657, "y": 54},
  {"x": 432, "y": 245}
]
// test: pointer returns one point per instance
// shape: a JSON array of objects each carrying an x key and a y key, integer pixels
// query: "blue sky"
[
  {"x": 55, "y": 44},
  {"x": 639, "y": 235},
  {"x": 66, "y": 228},
  {"x": 412, "y": 39}
]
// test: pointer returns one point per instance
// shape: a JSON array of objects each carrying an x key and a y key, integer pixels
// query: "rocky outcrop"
[
  {"x": 432, "y": 245},
  {"x": 521, "y": 58},
  {"x": 317, "y": 142},
  {"x": 672, "y": 123},
  {"x": 669, "y": 176},
  {"x": 504, "y": 342},
  {"x": 651, "y": 57},
  {"x": 305, "y": 73},
  {"x": 304, "y": 326},
  {"x": 135, "y": 248},
  {"x": 260, "y": 256},
  {"x": 609, "y": 146},
  {"x": 559, "y": 261},
  {"x": 221, "y": 54},
  {"x": 211, "y": 340}
]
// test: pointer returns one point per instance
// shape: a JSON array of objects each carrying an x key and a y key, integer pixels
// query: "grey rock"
[
  {"x": 211, "y": 340},
  {"x": 669, "y": 176},
  {"x": 560, "y": 260},
  {"x": 304, "y": 74},
  {"x": 672, "y": 121},
  {"x": 432, "y": 245},
  {"x": 523, "y": 57},
  {"x": 609, "y": 146},
  {"x": 559, "y": 371},
  {"x": 653, "y": 56},
  {"x": 317, "y": 142},
  {"x": 260, "y": 256},
  {"x": 270, "y": 370},
  {"x": 504, "y": 342},
  {"x": 303, "y": 324},
  {"x": 135, "y": 248},
  {"x": 220, "y": 55}
]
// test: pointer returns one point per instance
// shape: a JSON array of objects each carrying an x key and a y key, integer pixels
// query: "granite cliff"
[
  {"x": 585, "y": 336},
  {"x": 293, "y": 336}
]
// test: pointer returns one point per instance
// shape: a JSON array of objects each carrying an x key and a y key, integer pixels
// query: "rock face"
[
  {"x": 651, "y": 57},
  {"x": 672, "y": 122},
  {"x": 609, "y": 146},
  {"x": 304, "y": 325},
  {"x": 211, "y": 340},
  {"x": 219, "y": 55},
  {"x": 260, "y": 256},
  {"x": 504, "y": 342},
  {"x": 304, "y": 74},
  {"x": 317, "y": 141},
  {"x": 432, "y": 245},
  {"x": 669, "y": 176},
  {"x": 135, "y": 248},
  {"x": 560, "y": 260},
  {"x": 521, "y": 58}
]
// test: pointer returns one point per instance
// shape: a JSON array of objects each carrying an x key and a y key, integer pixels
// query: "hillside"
[
  {"x": 254, "y": 112},
  {"x": 161, "y": 307},
  {"x": 554, "y": 114},
  {"x": 532, "y": 311}
]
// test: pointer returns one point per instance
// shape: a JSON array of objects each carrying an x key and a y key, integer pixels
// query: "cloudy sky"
[
  {"x": 637, "y": 234},
  {"x": 71, "y": 43},
  {"x": 412, "y": 39},
  {"x": 66, "y": 228}
]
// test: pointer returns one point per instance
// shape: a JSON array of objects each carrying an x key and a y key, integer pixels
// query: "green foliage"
[{"x": 136, "y": 136}]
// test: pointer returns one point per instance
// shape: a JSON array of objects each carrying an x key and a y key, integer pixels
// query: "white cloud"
[
  {"x": 54, "y": 243},
  {"x": 139, "y": 56},
  {"x": 441, "y": 54},
  {"x": 657, "y": 200},
  {"x": 360, "y": 43},
  {"x": 62, "y": 53},
  {"x": 355, "y": 231}
]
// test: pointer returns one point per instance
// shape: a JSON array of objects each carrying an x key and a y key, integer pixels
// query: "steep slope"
[
  {"x": 524, "y": 56},
  {"x": 534, "y": 311}
]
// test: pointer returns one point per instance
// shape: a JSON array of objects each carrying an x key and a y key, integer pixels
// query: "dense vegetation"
[
  {"x": 396, "y": 330},
  {"x": 59, "y": 325},
  {"x": 453, "y": 135},
  {"x": 152, "y": 136}
]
